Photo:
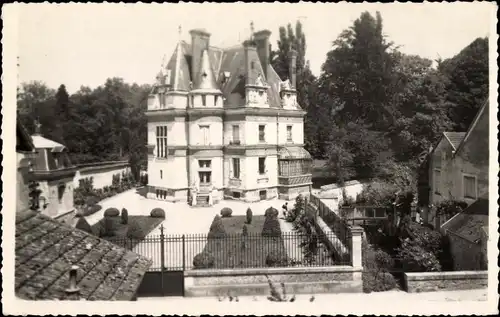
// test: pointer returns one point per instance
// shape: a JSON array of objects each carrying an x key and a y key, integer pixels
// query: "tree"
[
  {"x": 62, "y": 111},
  {"x": 468, "y": 86},
  {"x": 356, "y": 76},
  {"x": 306, "y": 81}
]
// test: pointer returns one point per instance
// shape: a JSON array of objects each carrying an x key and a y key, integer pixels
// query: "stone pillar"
[{"x": 356, "y": 239}]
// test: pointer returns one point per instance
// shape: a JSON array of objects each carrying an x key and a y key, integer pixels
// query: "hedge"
[
  {"x": 203, "y": 260},
  {"x": 158, "y": 213}
]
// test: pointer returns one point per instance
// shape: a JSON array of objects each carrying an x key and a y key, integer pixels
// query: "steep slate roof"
[
  {"x": 468, "y": 224},
  {"x": 483, "y": 109},
  {"x": 223, "y": 60},
  {"x": 24, "y": 142},
  {"x": 46, "y": 250},
  {"x": 43, "y": 143},
  {"x": 455, "y": 138}
]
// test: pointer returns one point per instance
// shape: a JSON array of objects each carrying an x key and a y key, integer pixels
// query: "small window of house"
[{"x": 470, "y": 187}]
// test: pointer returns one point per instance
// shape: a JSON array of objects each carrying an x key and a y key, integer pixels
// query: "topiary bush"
[
  {"x": 124, "y": 216},
  {"x": 158, "y": 213},
  {"x": 226, "y": 212},
  {"x": 82, "y": 224},
  {"x": 271, "y": 212},
  {"x": 110, "y": 226},
  {"x": 244, "y": 231},
  {"x": 271, "y": 227},
  {"x": 249, "y": 215},
  {"x": 203, "y": 260},
  {"x": 274, "y": 259},
  {"x": 217, "y": 229},
  {"x": 111, "y": 212}
]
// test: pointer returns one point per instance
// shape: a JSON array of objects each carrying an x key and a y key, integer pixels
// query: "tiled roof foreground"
[{"x": 46, "y": 250}]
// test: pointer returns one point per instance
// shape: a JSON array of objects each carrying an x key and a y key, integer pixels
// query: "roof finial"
[
  {"x": 251, "y": 30},
  {"x": 180, "y": 31}
]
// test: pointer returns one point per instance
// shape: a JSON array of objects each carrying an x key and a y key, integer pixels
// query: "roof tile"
[
  {"x": 46, "y": 250},
  {"x": 455, "y": 138}
]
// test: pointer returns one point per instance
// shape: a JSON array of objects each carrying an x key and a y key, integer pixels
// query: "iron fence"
[{"x": 288, "y": 249}]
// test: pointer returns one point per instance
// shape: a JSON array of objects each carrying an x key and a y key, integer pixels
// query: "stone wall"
[
  {"x": 466, "y": 255},
  {"x": 440, "y": 281},
  {"x": 337, "y": 279}
]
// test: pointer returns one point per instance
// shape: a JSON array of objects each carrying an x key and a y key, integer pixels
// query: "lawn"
[
  {"x": 236, "y": 251},
  {"x": 127, "y": 235}
]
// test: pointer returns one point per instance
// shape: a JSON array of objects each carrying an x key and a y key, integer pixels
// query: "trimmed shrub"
[
  {"x": 274, "y": 259},
  {"x": 226, "y": 212},
  {"x": 124, "y": 216},
  {"x": 415, "y": 258},
  {"x": 92, "y": 200},
  {"x": 157, "y": 213},
  {"x": 110, "y": 226},
  {"x": 82, "y": 224},
  {"x": 111, "y": 212},
  {"x": 217, "y": 229},
  {"x": 203, "y": 260},
  {"x": 249, "y": 215},
  {"x": 244, "y": 231},
  {"x": 271, "y": 213},
  {"x": 271, "y": 227}
]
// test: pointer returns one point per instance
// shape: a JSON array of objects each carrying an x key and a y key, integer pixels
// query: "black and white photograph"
[{"x": 250, "y": 158}]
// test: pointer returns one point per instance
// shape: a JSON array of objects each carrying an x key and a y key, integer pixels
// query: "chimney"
[
  {"x": 200, "y": 40},
  {"x": 292, "y": 68},
  {"x": 73, "y": 288},
  {"x": 261, "y": 38},
  {"x": 250, "y": 72}
]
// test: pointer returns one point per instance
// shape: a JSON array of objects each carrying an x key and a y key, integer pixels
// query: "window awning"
[{"x": 296, "y": 152}]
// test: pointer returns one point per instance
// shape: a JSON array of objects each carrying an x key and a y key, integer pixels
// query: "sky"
[{"x": 84, "y": 44}]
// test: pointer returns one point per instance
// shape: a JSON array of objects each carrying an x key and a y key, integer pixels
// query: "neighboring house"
[
  {"x": 25, "y": 154},
  {"x": 102, "y": 173},
  {"x": 47, "y": 251},
  {"x": 459, "y": 164},
  {"x": 54, "y": 171},
  {"x": 222, "y": 123},
  {"x": 468, "y": 236}
]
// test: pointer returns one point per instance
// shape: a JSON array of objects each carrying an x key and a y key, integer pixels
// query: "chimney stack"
[
  {"x": 261, "y": 38},
  {"x": 200, "y": 40},
  {"x": 73, "y": 288},
  {"x": 250, "y": 72},
  {"x": 292, "y": 68}
]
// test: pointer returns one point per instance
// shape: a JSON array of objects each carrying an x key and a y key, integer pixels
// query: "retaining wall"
[{"x": 440, "y": 281}]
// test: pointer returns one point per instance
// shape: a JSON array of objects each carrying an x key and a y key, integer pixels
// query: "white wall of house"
[
  {"x": 103, "y": 175},
  {"x": 252, "y": 130}
]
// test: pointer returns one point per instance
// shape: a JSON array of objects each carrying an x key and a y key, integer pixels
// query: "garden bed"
[
  {"x": 126, "y": 235},
  {"x": 238, "y": 251}
]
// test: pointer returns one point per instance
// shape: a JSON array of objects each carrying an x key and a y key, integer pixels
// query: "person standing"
[{"x": 285, "y": 209}]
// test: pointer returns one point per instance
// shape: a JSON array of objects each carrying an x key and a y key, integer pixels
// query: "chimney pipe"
[
  {"x": 292, "y": 68},
  {"x": 261, "y": 38},
  {"x": 200, "y": 40},
  {"x": 251, "y": 74},
  {"x": 73, "y": 288}
]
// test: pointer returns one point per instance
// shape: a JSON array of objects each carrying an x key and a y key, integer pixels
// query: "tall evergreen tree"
[{"x": 290, "y": 38}]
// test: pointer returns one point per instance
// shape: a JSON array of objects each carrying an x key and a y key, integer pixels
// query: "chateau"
[{"x": 223, "y": 125}]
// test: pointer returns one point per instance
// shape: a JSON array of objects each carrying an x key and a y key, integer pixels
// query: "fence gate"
[{"x": 170, "y": 283}]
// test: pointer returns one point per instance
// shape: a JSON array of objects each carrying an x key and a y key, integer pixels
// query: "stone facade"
[
  {"x": 216, "y": 125},
  {"x": 467, "y": 255},
  {"x": 440, "y": 281}
]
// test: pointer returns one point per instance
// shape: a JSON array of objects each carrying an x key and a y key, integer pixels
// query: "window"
[
  {"x": 204, "y": 100},
  {"x": 205, "y": 134},
  {"x": 262, "y": 165},
  {"x": 262, "y": 133},
  {"x": 470, "y": 187},
  {"x": 161, "y": 141},
  {"x": 236, "y": 168},
  {"x": 161, "y": 174},
  {"x": 252, "y": 64},
  {"x": 205, "y": 163},
  {"x": 215, "y": 100},
  {"x": 60, "y": 191},
  {"x": 289, "y": 133},
  {"x": 162, "y": 99},
  {"x": 437, "y": 181},
  {"x": 236, "y": 134}
]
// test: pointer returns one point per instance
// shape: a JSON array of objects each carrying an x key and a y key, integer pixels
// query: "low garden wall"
[
  {"x": 439, "y": 281},
  {"x": 297, "y": 280}
]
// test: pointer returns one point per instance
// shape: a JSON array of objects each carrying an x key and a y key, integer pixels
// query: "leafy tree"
[{"x": 468, "y": 85}]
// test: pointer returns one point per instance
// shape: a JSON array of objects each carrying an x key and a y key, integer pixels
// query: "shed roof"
[
  {"x": 47, "y": 249},
  {"x": 468, "y": 224}
]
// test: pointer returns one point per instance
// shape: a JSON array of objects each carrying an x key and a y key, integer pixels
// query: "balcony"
[
  {"x": 234, "y": 182},
  {"x": 294, "y": 180},
  {"x": 235, "y": 142}
]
